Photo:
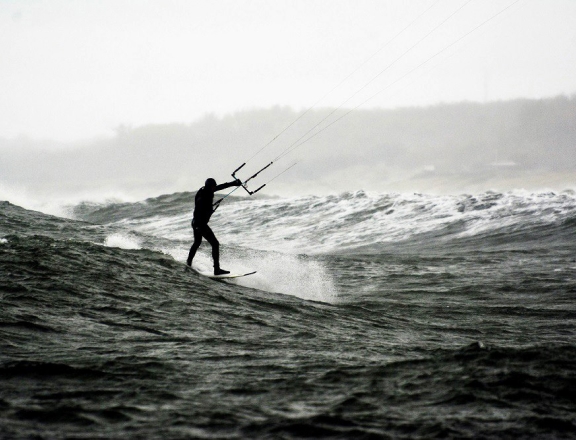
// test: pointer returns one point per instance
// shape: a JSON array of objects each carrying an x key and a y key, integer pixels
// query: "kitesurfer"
[{"x": 203, "y": 210}]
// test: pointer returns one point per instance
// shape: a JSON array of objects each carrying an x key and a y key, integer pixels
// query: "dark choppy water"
[{"x": 371, "y": 316}]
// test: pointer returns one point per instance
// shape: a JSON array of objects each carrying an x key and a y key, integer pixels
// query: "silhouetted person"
[{"x": 203, "y": 210}]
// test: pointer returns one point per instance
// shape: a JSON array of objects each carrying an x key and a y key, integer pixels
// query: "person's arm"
[{"x": 227, "y": 185}]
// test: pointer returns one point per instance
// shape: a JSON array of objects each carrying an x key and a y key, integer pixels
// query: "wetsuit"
[{"x": 203, "y": 210}]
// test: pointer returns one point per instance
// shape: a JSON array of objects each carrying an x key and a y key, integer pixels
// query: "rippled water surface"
[{"x": 371, "y": 316}]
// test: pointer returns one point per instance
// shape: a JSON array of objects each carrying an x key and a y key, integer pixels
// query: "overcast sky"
[{"x": 72, "y": 70}]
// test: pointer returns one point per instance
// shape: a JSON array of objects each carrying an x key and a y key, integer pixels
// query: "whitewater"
[{"x": 370, "y": 316}]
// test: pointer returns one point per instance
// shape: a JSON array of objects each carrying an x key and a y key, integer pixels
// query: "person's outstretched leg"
[
  {"x": 209, "y": 235},
  {"x": 195, "y": 245}
]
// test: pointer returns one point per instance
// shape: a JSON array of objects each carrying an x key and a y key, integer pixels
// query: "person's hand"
[{"x": 237, "y": 182}]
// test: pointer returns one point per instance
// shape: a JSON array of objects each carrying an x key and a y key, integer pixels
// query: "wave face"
[{"x": 371, "y": 316}]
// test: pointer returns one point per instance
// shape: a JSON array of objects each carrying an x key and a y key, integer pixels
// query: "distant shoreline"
[{"x": 468, "y": 146}]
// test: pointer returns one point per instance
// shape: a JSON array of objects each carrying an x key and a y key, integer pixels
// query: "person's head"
[{"x": 210, "y": 184}]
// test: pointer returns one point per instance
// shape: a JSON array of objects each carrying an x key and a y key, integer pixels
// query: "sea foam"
[{"x": 123, "y": 241}]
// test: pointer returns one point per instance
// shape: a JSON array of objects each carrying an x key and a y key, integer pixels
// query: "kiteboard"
[{"x": 221, "y": 277}]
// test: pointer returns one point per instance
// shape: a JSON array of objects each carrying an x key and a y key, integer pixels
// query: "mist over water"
[{"x": 445, "y": 149}]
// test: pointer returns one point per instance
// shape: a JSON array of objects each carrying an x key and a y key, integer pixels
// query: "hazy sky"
[{"x": 77, "y": 69}]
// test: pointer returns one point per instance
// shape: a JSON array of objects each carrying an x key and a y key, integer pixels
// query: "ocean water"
[{"x": 371, "y": 316}]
